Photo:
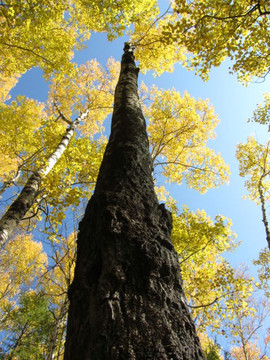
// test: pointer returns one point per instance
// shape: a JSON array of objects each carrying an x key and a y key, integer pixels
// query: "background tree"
[
  {"x": 201, "y": 34},
  {"x": 179, "y": 129},
  {"x": 22, "y": 261},
  {"x": 46, "y": 34},
  {"x": 254, "y": 162},
  {"x": 34, "y": 300},
  {"x": 43, "y": 127},
  {"x": 210, "y": 348},
  {"x": 212, "y": 286},
  {"x": 73, "y": 178},
  {"x": 261, "y": 114},
  {"x": 248, "y": 322},
  {"x": 28, "y": 327}
]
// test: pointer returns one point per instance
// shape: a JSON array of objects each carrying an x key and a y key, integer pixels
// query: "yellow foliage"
[
  {"x": 22, "y": 261},
  {"x": 211, "y": 285},
  {"x": 179, "y": 129},
  {"x": 112, "y": 16},
  {"x": 35, "y": 33},
  {"x": 88, "y": 86},
  {"x": 56, "y": 281},
  {"x": 262, "y": 114},
  {"x": 45, "y": 33},
  {"x": 251, "y": 352},
  {"x": 162, "y": 193},
  {"x": 72, "y": 179},
  {"x": 212, "y": 30},
  {"x": 19, "y": 138},
  {"x": 254, "y": 163},
  {"x": 208, "y": 345},
  {"x": 6, "y": 84},
  {"x": 152, "y": 52},
  {"x": 264, "y": 271}
]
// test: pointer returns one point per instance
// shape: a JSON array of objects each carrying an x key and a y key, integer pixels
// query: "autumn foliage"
[{"x": 37, "y": 261}]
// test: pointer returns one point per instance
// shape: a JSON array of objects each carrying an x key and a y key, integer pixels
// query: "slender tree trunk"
[
  {"x": 54, "y": 338},
  {"x": 264, "y": 216},
  {"x": 126, "y": 300},
  {"x": 26, "y": 199}
]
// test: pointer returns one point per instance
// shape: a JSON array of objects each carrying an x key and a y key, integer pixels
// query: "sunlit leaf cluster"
[
  {"x": 22, "y": 260},
  {"x": 254, "y": 164},
  {"x": 111, "y": 16},
  {"x": 211, "y": 285},
  {"x": 34, "y": 279},
  {"x": 214, "y": 30},
  {"x": 263, "y": 263},
  {"x": 152, "y": 52},
  {"x": 262, "y": 113},
  {"x": 179, "y": 129},
  {"x": 88, "y": 86},
  {"x": 32, "y": 131},
  {"x": 46, "y": 33},
  {"x": 34, "y": 306}
]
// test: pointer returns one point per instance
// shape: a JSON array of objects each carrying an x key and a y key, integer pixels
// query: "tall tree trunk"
[
  {"x": 263, "y": 208},
  {"x": 27, "y": 197},
  {"x": 126, "y": 300}
]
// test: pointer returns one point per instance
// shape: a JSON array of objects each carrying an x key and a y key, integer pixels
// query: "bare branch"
[{"x": 204, "y": 305}]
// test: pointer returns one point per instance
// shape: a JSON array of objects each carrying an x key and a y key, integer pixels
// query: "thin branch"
[
  {"x": 205, "y": 305},
  {"x": 62, "y": 116},
  {"x": 262, "y": 12},
  {"x": 195, "y": 252},
  {"x": 7, "y": 184},
  {"x": 137, "y": 43},
  {"x": 231, "y": 16},
  {"x": 28, "y": 50},
  {"x": 190, "y": 167}
]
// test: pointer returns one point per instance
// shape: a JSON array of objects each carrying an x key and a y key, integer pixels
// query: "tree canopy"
[
  {"x": 202, "y": 34},
  {"x": 34, "y": 277}
]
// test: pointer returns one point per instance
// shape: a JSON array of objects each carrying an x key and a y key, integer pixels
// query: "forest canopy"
[{"x": 229, "y": 304}]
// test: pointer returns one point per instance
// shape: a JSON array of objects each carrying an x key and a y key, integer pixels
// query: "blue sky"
[{"x": 233, "y": 102}]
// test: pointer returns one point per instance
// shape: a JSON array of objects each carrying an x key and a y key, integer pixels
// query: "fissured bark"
[{"x": 126, "y": 300}]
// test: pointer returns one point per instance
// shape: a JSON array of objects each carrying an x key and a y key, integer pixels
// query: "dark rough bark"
[{"x": 126, "y": 300}]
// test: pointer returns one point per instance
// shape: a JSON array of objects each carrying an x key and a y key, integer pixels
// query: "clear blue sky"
[{"x": 233, "y": 102}]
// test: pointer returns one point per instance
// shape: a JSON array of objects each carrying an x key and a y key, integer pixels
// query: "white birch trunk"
[{"x": 26, "y": 199}]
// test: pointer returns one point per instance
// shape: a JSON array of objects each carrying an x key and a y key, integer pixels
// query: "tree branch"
[
  {"x": 205, "y": 305},
  {"x": 28, "y": 50}
]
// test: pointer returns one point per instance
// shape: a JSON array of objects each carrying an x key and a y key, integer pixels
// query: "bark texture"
[
  {"x": 19, "y": 207},
  {"x": 126, "y": 300}
]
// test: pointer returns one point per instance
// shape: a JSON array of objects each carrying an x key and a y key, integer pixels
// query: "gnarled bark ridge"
[{"x": 126, "y": 300}]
